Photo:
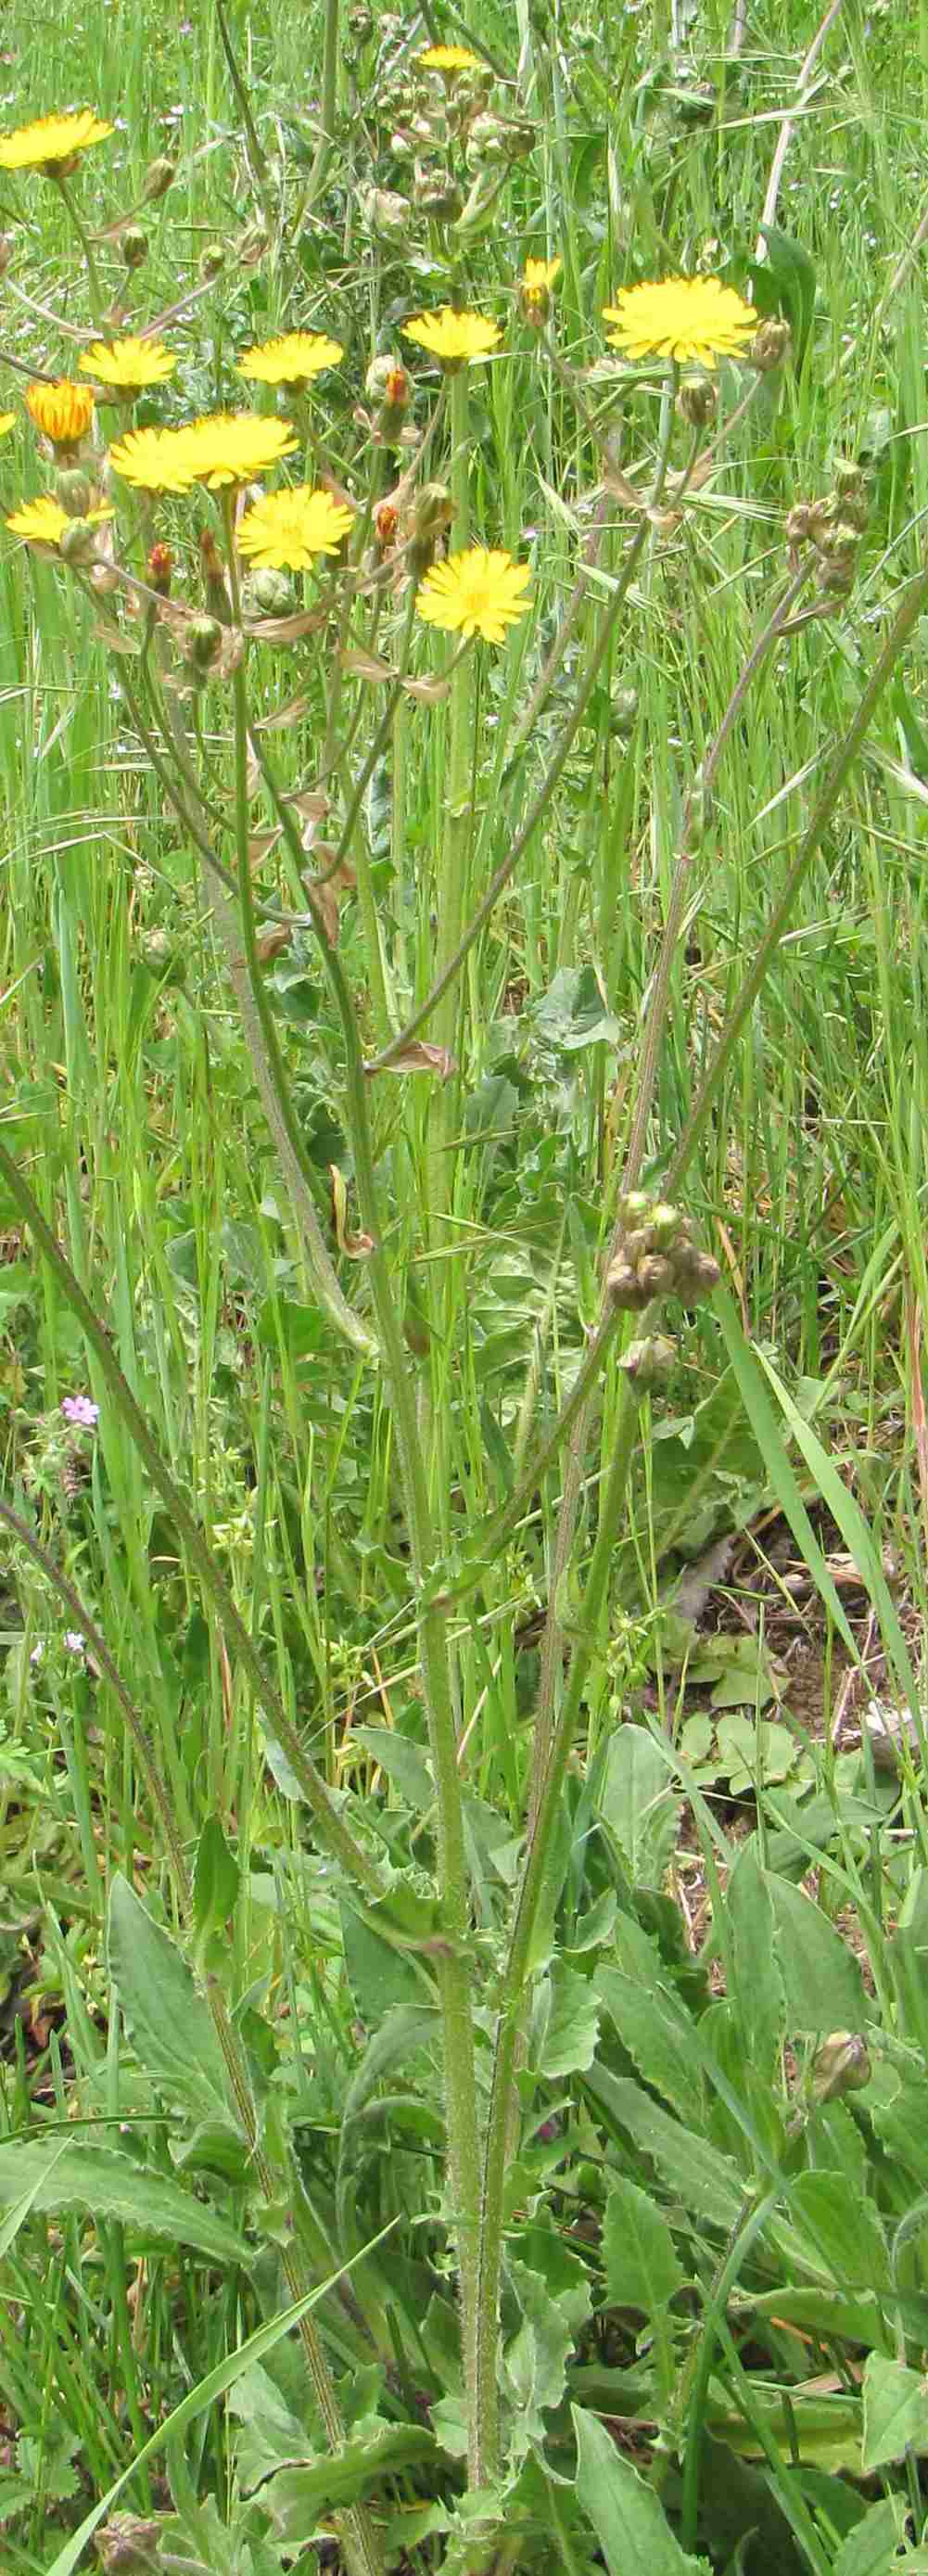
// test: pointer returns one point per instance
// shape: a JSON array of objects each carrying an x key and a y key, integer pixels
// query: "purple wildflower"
[{"x": 78, "y": 1409}]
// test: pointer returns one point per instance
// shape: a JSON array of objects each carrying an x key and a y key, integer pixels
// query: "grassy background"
[{"x": 129, "y": 1098}]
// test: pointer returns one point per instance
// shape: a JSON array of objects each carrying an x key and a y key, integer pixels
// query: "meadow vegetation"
[{"x": 464, "y": 1490}]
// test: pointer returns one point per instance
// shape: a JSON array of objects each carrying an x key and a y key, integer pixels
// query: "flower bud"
[
  {"x": 204, "y": 642},
  {"x": 162, "y": 955},
  {"x": 440, "y": 198},
  {"x": 159, "y": 568},
  {"x": 624, "y": 1287},
  {"x": 270, "y": 593},
  {"x": 696, "y": 402},
  {"x": 77, "y": 542},
  {"x": 214, "y": 578},
  {"x": 771, "y": 346},
  {"x": 623, "y": 713},
  {"x": 128, "y": 2546},
  {"x": 851, "y": 495},
  {"x": 386, "y": 523},
  {"x": 656, "y": 1275},
  {"x": 841, "y": 2065},
  {"x": 212, "y": 261},
  {"x": 384, "y": 211},
  {"x": 74, "y": 492},
  {"x": 486, "y": 145},
  {"x": 159, "y": 177},
  {"x": 133, "y": 245},
  {"x": 665, "y": 1226},
  {"x": 649, "y": 1363}
]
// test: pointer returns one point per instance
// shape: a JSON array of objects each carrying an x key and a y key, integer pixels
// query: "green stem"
[
  {"x": 333, "y": 1834},
  {"x": 452, "y": 1970},
  {"x": 328, "y": 107},
  {"x": 83, "y": 236},
  {"x": 254, "y": 152}
]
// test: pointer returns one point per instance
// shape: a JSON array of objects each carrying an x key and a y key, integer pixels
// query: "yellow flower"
[
  {"x": 291, "y": 360},
  {"x": 477, "y": 592},
  {"x": 154, "y": 460},
  {"x": 540, "y": 274},
  {"x": 231, "y": 447},
  {"x": 52, "y": 142},
  {"x": 43, "y": 522},
  {"x": 448, "y": 58},
  {"x": 283, "y": 532},
  {"x": 683, "y": 317},
  {"x": 455, "y": 338},
  {"x": 63, "y": 412},
  {"x": 7, "y": 422},
  {"x": 128, "y": 365}
]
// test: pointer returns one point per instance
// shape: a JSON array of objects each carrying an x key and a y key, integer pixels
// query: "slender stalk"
[
  {"x": 333, "y": 1833},
  {"x": 451, "y": 1960},
  {"x": 328, "y": 105},
  {"x": 80, "y": 229},
  {"x": 254, "y": 150}
]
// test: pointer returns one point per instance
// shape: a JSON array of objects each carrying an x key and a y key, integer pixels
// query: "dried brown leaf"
[
  {"x": 356, "y": 1247},
  {"x": 418, "y": 1057},
  {"x": 364, "y": 666}
]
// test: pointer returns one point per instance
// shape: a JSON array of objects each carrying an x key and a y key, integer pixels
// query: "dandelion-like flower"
[
  {"x": 448, "y": 58},
  {"x": 63, "y": 412},
  {"x": 154, "y": 460},
  {"x": 480, "y": 591},
  {"x": 694, "y": 318},
  {"x": 292, "y": 360},
  {"x": 52, "y": 143},
  {"x": 43, "y": 522},
  {"x": 129, "y": 365},
  {"x": 7, "y": 422},
  {"x": 534, "y": 289},
  {"x": 286, "y": 530},
  {"x": 455, "y": 338},
  {"x": 232, "y": 447}
]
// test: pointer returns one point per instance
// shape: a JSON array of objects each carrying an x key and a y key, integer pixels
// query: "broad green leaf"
[
  {"x": 822, "y": 1982},
  {"x": 756, "y": 1986},
  {"x": 630, "y": 2525},
  {"x": 790, "y": 273},
  {"x": 705, "y": 2181},
  {"x": 170, "y": 2023},
  {"x": 653, "y": 2025},
  {"x": 843, "y": 2232},
  {"x": 642, "y": 2270},
  {"x": 381, "y": 1977},
  {"x": 870, "y": 2549},
  {"x": 536, "y": 2357},
  {"x": 215, "y": 1885},
  {"x": 572, "y": 1013},
  {"x": 404, "y": 1763},
  {"x": 637, "y": 1802},
  {"x": 569, "y": 2038},
  {"x": 895, "y": 2412},
  {"x": 297, "y": 2497},
  {"x": 829, "y": 2313},
  {"x": 19, "y": 2212},
  {"x": 105, "y": 2185}
]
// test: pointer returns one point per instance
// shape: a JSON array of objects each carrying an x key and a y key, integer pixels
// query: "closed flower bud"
[
  {"x": 665, "y": 1227},
  {"x": 214, "y": 578},
  {"x": 656, "y": 1275},
  {"x": 798, "y": 530},
  {"x": 623, "y": 713},
  {"x": 441, "y": 197},
  {"x": 159, "y": 568},
  {"x": 841, "y": 2065},
  {"x": 633, "y": 1208},
  {"x": 386, "y": 523},
  {"x": 133, "y": 245},
  {"x": 696, "y": 402},
  {"x": 162, "y": 956},
  {"x": 77, "y": 542},
  {"x": 204, "y": 641},
  {"x": 385, "y": 212},
  {"x": 625, "y": 1287},
  {"x": 159, "y": 177},
  {"x": 636, "y": 1243},
  {"x": 269, "y": 593},
  {"x": 486, "y": 143},
  {"x": 74, "y": 492},
  {"x": 212, "y": 261},
  {"x": 649, "y": 1363},
  {"x": 771, "y": 346}
]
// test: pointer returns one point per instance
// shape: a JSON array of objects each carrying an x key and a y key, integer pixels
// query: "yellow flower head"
[
  {"x": 7, "y": 422},
  {"x": 283, "y": 532},
  {"x": 291, "y": 360},
  {"x": 448, "y": 58},
  {"x": 63, "y": 412},
  {"x": 154, "y": 460},
  {"x": 43, "y": 522},
  {"x": 52, "y": 142},
  {"x": 683, "y": 318},
  {"x": 455, "y": 338},
  {"x": 232, "y": 447},
  {"x": 539, "y": 275},
  {"x": 477, "y": 592},
  {"x": 128, "y": 365}
]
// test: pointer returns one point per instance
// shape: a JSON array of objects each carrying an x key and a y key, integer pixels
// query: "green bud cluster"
[{"x": 657, "y": 1256}]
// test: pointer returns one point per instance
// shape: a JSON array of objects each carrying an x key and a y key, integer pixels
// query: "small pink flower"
[
  {"x": 74, "y": 1641},
  {"x": 78, "y": 1409}
]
